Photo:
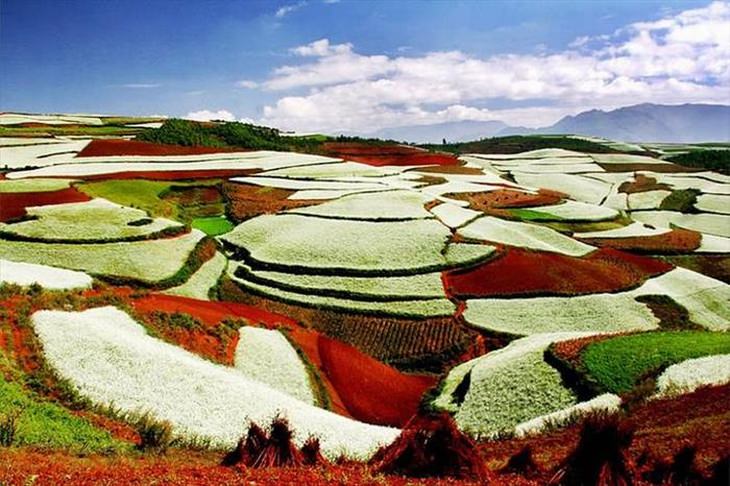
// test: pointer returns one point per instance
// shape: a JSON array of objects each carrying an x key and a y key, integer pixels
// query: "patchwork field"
[{"x": 171, "y": 306}]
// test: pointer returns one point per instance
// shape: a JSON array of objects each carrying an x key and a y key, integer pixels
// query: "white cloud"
[
  {"x": 141, "y": 85},
  {"x": 247, "y": 83},
  {"x": 683, "y": 57},
  {"x": 287, "y": 9},
  {"x": 207, "y": 115},
  {"x": 321, "y": 48}
]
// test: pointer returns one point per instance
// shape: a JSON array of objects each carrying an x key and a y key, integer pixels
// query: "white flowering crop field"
[{"x": 110, "y": 360}]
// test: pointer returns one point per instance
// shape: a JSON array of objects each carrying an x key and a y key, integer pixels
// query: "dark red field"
[
  {"x": 676, "y": 241},
  {"x": 507, "y": 198},
  {"x": 13, "y": 204},
  {"x": 109, "y": 147},
  {"x": 372, "y": 391},
  {"x": 210, "y": 312},
  {"x": 379, "y": 155},
  {"x": 525, "y": 272}
]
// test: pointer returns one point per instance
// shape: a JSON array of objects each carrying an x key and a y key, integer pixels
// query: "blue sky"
[{"x": 369, "y": 64}]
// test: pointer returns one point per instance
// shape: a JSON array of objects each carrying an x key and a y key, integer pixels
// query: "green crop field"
[
  {"x": 619, "y": 363},
  {"x": 213, "y": 225}
]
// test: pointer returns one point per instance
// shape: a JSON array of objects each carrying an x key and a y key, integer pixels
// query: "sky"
[{"x": 360, "y": 65}]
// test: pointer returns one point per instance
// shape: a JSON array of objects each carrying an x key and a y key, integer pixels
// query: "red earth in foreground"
[{"x": 372, "y": 391}]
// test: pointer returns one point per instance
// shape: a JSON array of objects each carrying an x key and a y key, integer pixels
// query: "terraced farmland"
[{"x": 200, "y": 292}]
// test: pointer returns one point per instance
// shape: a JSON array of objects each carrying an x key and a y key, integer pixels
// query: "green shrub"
[
  {"x": 230, "y": 134},
  {"x": 717, "y": 160},
  {"x": 518, "y": 143},
  {"x": 682, "y": 201},
  {"x": 9, "y": 427},
  {"x": 155, "y": 435}
]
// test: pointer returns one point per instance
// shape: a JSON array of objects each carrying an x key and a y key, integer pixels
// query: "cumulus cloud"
[
  {"x": 207, "y": 115},
  {"x": 679, "y": 58}
]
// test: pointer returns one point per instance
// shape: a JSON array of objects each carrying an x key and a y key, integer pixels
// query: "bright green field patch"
[
  {"x": 146, "y": 195},
  {"x": 213, "y": 226},
  {"x": 139, "y": 194},
  {"x": 619, "y": 363},
  {"x": 532, "y": 215},
  {"x": 47, "y": 425}
]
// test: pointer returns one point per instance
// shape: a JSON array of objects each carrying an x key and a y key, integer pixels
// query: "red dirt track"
[
  {"x": 524, "y": 272},
  {"x": 13, "y": 204},
  {"x": 110, "y": 147},
  {"x": 372, "y": 391}
]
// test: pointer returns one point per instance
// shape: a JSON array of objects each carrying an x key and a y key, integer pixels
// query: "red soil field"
[
  {"x": 676, "y": 241},
  {"x": 387, "y": 154},
  {"x": 13, "y": 204},
  {"x": 373, "y": 392},
  {"x": 642, "y": 183},
  {"x": 108, "y": 147},
  {"x": 210, "y": 312},
  {"x": 524, "y": 272},
  {"x": 183, "y": 468},
  {"x": 507, "y": 198},
  {"x": 246, "y": 200}
]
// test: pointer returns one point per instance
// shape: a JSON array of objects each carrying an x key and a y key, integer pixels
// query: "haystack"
[
  {"x": 601, "y": 456},
  {"x": 431, "y": 446},
  {"x": 522, "y": 463},
  {"x": 259, "y": 450}
]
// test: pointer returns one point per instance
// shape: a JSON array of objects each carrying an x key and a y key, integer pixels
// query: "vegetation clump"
[
  {"x": 230, "y": 134},
  {"x": 683, "y": 201},
  {"x": 717, "y": 160},
  {"x": 515, "y": 144}
]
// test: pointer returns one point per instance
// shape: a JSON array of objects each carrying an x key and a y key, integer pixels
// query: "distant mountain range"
[
  {"x": 460, "y": 131},
  {"x": 646, "y": 122}
]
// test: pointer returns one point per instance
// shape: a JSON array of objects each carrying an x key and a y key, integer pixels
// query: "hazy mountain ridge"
[
  {"x": 687, "y": 123},
  {"x": 460, "y": 131}
]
